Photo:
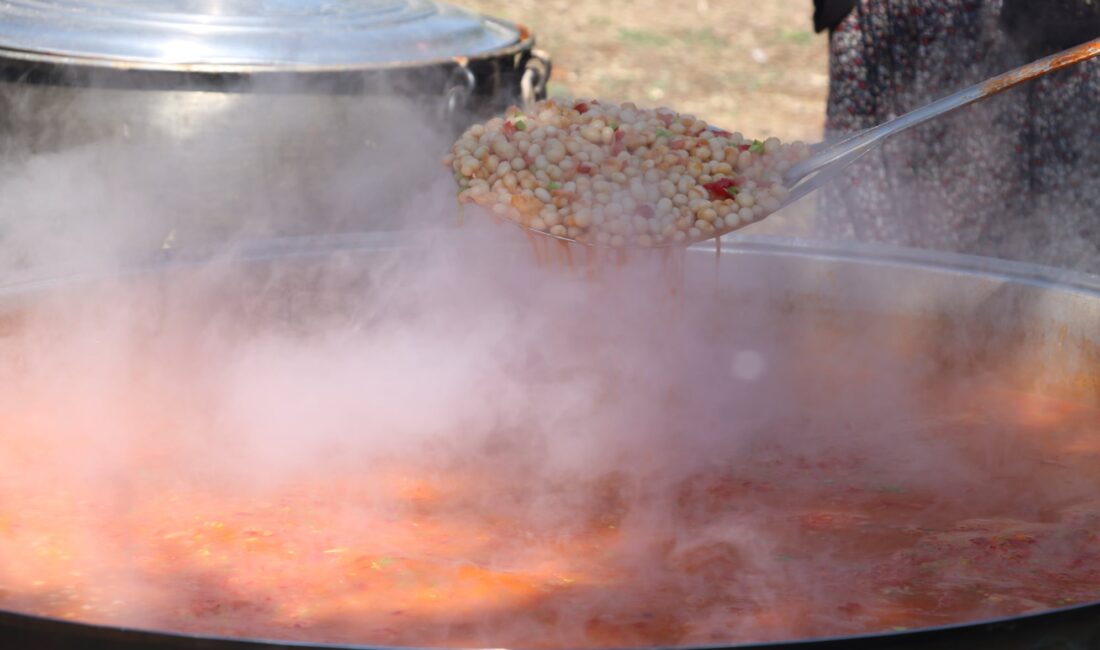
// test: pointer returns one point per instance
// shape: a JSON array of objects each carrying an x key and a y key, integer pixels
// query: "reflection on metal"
[
  {"x": 458, "y": 92},
  {"x": 535, "y": 77},
  {"x": 242, "y": 36}
]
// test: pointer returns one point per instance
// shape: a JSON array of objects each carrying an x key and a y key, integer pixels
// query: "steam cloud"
[{"x": 563, "y": 401}]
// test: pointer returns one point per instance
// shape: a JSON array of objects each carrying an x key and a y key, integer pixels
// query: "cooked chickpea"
[
  {"x": 626, "y": 175},
  {"x": 555, "y": 152}
]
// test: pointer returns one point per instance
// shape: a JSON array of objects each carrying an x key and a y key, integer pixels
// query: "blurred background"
[{"x": 754, "y": 67}]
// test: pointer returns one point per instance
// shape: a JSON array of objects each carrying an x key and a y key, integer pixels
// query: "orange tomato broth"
[{"x": 769, "y": 545}]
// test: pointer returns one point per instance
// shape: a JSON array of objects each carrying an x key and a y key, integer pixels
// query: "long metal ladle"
[{"x": 828, "y": 160}]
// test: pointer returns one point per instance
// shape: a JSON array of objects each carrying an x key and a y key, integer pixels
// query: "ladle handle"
[{"x": 843, "y": 153}]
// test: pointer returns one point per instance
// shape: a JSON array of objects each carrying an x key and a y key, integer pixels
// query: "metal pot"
[
  {"x": 232, "y": 112},
  {"x": 976, "y": 316}
]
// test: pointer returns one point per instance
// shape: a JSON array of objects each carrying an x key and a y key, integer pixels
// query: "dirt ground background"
[{"x": 754, "y": 66}]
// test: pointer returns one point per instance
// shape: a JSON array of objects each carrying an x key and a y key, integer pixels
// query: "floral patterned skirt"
[{"x": 1016, "y": 176}]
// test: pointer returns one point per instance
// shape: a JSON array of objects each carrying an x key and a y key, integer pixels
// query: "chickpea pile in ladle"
[{"x": 617, "y": 175}]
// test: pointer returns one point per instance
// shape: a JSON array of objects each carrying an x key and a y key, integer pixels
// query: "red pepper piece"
[
  {"x": 617, "y": 145},
  {"x": 745, "y": 147},
  {"x": 585, "y": 168},
  {"x": 580, "y": 107},
  {"x": 509, "y": 129},
  {"x": 720, "y": 189},
  {"x": 721, "y": 134}
]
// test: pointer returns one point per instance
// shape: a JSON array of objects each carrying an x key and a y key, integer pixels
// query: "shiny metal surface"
[
  {"x": 239, "y": 34},
  {"x": 208, "y": 165},
  {"x": 281, "y": 145}
]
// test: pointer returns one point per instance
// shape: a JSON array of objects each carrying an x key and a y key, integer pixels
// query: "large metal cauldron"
[
  {"x": 1047, "y": 318},
  {"x": 296, "y": 115}
]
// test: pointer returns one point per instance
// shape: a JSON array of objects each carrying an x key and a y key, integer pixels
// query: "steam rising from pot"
[{"x": 152, "y": 421}]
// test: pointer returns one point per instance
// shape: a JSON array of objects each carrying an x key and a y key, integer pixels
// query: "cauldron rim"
[
  {"x": 259, "y": 250},
  {"x": 996, "y": 632}
]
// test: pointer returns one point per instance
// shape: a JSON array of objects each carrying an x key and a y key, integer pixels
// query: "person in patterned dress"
[{"x": 1016, "y": 176}]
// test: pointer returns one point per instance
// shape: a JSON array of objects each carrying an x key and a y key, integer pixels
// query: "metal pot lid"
[{"x": 273, "y": 34}]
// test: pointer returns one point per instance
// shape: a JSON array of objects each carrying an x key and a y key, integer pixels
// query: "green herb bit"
[
  {"x": 521, "y": 125},
  {"x": 756, "y": 147},
  {"x": 664, "y": 133},
  {"x": 552, "y": 185}
]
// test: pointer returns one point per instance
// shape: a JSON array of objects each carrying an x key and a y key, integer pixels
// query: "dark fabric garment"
[
  {"x": 1017, "y": 176},
  {"x": 829, "y": 13},
  {"x": 1043, "y": 27}
]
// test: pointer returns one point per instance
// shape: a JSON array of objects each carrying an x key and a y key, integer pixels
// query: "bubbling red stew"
[
  {"x": 781, "y": 470},
  {"x": 772, "y": 543}
]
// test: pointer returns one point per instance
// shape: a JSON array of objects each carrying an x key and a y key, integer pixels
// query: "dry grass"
[
  {"x": 749, "y": 65},
  {"x": 753, "y": 66}
]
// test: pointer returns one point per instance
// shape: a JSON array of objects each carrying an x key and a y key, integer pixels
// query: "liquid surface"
[
  {"x": 794, "y": 483},
  {"x": 772, "y": 545}
]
